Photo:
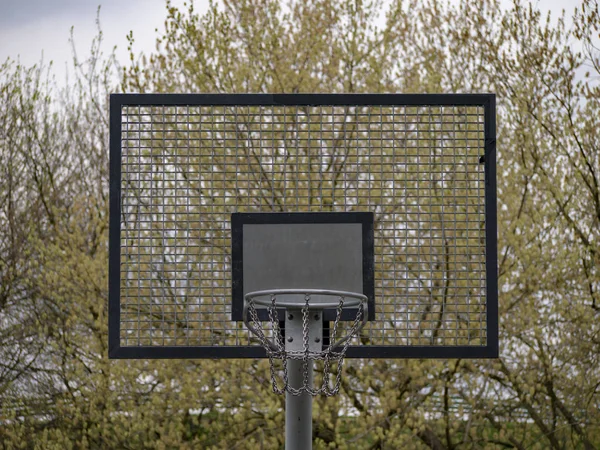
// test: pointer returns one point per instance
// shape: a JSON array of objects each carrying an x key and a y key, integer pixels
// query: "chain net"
[{"x": 331, "y": 354}]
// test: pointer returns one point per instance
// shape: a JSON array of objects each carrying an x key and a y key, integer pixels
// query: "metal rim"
[{"x": 351, "y": 299}]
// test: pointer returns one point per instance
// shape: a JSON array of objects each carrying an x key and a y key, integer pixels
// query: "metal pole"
[{"x": 298, "y": 408}]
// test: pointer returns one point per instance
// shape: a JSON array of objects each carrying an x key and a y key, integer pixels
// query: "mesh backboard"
[{"x": 423, "y": 165}]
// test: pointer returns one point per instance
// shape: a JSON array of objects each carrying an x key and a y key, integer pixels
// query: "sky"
[{"x": 32, "y": 28}]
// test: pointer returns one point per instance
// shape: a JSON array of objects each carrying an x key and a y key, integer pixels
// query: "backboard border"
[
  {"x": 485, "y": 100},
  {"x": 238, "y": 220}
]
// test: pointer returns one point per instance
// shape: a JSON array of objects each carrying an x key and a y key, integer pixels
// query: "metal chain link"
[
  {"x": 278, "y": 339},
  {"x": 275, "y": 348},
  {"x": 260, "y": 334},
  {"x": 305, "y": 338}
]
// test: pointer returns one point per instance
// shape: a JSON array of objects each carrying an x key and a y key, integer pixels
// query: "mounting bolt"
[
  {"x": 317, "y": 340},
  {"x": 316, "y": 316},
  {"x": 290, "y": 339},
  {"x": 290, "y": 316}
]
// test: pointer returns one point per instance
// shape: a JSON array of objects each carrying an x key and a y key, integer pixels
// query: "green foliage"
[{"x": 59, "y": 390}]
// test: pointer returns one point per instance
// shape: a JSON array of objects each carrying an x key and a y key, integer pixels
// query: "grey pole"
[{"x": 298, "y": 408}]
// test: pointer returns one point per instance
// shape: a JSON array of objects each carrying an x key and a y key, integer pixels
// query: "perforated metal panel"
[{"x": 423, "y": 164}]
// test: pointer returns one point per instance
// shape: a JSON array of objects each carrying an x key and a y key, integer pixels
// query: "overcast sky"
[
  {"x": 32, "y": 28},
  {"x": 29, "y": 28}
]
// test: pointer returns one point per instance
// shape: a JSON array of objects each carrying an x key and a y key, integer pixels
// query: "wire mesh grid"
[{"x": 185, "y": 169}]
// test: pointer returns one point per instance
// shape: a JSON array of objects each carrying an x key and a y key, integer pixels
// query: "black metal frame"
[
  {"x": 487, "y": 101},
  {"x": 238, "y": 220}
]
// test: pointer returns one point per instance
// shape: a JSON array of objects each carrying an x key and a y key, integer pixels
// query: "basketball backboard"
[{"x": 215, "y": 195}]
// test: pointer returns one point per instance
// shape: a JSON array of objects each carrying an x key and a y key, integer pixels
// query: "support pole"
[{"x": 298, "y": 408}]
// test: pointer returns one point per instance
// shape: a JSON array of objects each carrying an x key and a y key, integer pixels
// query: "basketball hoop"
[
  {"x": 304, "y": 311},
  {"x": 357, "y": 224}
]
